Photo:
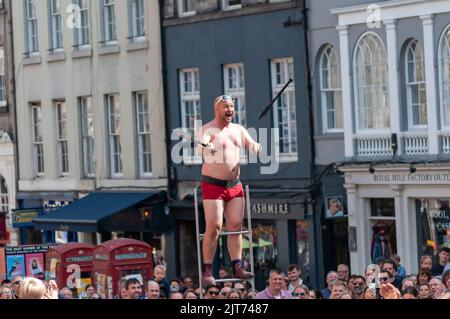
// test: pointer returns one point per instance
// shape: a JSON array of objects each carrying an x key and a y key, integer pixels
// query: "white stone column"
[
  {"x": 346, "y": 90},
  {"x": 411, "y": 260},
  {"x": 354, "y": 221},
  {"x": 394, "y": 97},
  {"x": 430, "y": 76},
  {"x": 401, "y": 222}
]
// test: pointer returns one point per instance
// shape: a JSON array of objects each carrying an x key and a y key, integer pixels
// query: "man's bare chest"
[{"x": 226, "y": 138}]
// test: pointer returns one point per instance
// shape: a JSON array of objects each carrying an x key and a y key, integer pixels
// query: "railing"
[
  {"x": 415, "y": 143},
  {"x": 375, "y": 145},
  {"x": 445, "y": 142}
]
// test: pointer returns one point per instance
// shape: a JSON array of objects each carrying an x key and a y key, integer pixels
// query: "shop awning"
[{"x": 87, "y": 214}]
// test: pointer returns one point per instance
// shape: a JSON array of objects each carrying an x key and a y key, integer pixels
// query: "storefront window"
[
  {"x": 187, "y": 253},
  {"x": 433, "y": 225},
  {"x": 264, "y": 250},
  {"x": 382, "y": 223}
]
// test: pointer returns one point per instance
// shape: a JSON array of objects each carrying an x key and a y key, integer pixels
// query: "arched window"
[
  {"x": 371, "y": 84},
  {"x": 444, "y": 75},
  {"x": 4, "y": 207},
  {"x": 416, "y": 86},
  {"x": 330, "y": 90},
  {"x": 2, "y": 78}
]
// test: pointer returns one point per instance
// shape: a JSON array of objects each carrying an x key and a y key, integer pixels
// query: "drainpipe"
[
  {"x": 317, "y": 229},
  {"x": 171, "y": 177}
]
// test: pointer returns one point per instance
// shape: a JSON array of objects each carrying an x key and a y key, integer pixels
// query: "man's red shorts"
[{"x": 211, "y": 191}]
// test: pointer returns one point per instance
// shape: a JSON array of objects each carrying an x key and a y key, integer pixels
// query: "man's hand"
[
  {"x": 370, "y": 294},
  {"x": 256, "y": 148},
  {"x": 210, "y": 148},
  {"x": 52, "y": 290}
]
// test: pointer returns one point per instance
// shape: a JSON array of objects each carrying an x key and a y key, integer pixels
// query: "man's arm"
[{"x": 249, "y": 143}]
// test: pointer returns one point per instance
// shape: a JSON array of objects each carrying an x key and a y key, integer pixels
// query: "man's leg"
[
  {"x": 213, "y": 218},
  {"x": 234, "y": 211}
]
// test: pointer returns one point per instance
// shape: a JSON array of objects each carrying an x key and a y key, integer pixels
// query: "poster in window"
[
  {"x": 334, "y": 207},
  {"x": 15, "y": 266},
  {"x": 35, "y": 265}
]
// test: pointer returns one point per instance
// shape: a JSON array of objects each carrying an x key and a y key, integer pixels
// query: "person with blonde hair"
[
  {"x": 159, "y": 274},
  {"x": 32, "y": 288},
  {"x": 6, "y": 293}
]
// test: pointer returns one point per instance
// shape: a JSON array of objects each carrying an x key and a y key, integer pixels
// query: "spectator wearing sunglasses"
[
  {"x": 358, "y": 287},
  {"x": 274, "y": 289},
  {"x": 15, "y": 285},
  {"x": 225, "y": 290},
  {"x": 301, "y": 292},
  {"x": 212, "y": 292},
  {"x": 385, "y": 277}
]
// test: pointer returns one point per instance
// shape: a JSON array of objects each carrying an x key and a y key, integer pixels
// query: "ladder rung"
[
  {"x": 225, "y": 233},
  {"x": 232, "y": 280}
]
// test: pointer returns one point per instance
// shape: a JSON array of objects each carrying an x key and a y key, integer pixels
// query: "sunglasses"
[
  {"x": 384, "y": 279},
  {"x": 296, "y": 294},
  {"x": 227, "y": 98},
  {"x": 216, "y": 293}
]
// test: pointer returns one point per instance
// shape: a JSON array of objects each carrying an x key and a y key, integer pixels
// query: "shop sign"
[
  {"x": 101, "y": 257},
  {"x": 27, "y": 249},
  {"x": 270, "y": 208},
  {"x": 24, "y": 218},
  {"x": 77, "y": 259},
  {"x": 408, "y": 178},
  {"x": 276, "y": 208}
]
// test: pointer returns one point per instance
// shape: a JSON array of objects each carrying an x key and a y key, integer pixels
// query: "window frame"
[
  {"x": 408, "y": 85},
  {"x": 113, "y": 135},
  {"x": 57, "y": 35},
  {"x": 61, "y": 139},
  {"x": 194, "y": 97},
  {"x": 109, "y": 8},
  {"x": 87, "y": 135},
  {"x": 32, "y": 38},
  {"x": 84, "y": 31},
  {"x": 289, "y": 156},
  {"x": 4, "y": 197},
  {"x": 442, "y": 41},
  {"x": 226, "y": 6},
  {"x": 369, "y": 131},
  {"x": 141, "y": 132},
  {"x": 137, "y": 20},
  {"x": 3, "y": 92},
  {"x": 38, "y": 145},
  {"x": 182, "y": 13},
  {"x": 324, "y": 91}
]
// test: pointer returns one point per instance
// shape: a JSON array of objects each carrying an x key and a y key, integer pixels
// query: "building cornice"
[
  {"x": 226, "y": 14},
  {"x": 390, "y": 10}
]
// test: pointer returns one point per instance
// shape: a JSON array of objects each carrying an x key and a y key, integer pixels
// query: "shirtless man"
[{"x": 221, "y": 187}]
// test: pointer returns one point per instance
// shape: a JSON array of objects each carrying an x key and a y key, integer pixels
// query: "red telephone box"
[
  {"x": 121, "y": 258},
  {"x": 63, "y": 261}
]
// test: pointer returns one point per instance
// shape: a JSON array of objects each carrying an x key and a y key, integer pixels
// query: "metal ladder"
[{"x": 247, "y": 233}]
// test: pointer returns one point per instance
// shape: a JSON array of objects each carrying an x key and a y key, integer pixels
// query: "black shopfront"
[{"x": 282, "y": 231}]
